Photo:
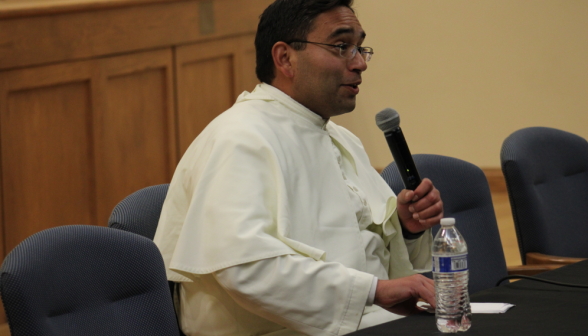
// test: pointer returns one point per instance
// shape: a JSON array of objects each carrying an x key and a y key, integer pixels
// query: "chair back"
[
  {"x": 86, "y": 280},
  {"x": 546, "y": 172},
  {"x": 139, "y": 212},
  {"x": 466, "y": 197}
]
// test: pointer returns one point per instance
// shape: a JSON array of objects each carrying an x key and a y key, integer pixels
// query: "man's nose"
[{"x": 358, "y": 63}]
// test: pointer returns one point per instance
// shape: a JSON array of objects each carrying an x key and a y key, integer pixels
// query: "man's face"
[{"x": 325, "y": 82}]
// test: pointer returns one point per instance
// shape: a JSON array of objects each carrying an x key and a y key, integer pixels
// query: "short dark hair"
[{"x": 287, "y": 20}]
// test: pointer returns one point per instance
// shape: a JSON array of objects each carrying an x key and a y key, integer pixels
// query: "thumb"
[{"x": 405, "y": 196}]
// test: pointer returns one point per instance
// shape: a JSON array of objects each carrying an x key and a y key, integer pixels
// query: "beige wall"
[{"x": 465, "y": 74}]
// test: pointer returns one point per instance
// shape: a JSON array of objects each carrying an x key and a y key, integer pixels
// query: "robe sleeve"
[
  {"x": 309, "y": 296},
  {"x": 419, "y": 252}
]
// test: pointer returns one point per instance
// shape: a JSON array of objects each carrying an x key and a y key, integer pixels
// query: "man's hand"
[
  {"x": 400, "y": 296},
  {"x": 420, "y": 209}
]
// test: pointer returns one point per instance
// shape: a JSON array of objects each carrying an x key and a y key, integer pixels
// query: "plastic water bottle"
[{"x": 450, "y": 272}]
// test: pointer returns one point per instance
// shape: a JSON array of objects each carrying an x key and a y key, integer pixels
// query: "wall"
[{"x": 465, "y": 74}]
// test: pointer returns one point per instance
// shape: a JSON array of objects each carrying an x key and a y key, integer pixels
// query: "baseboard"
[
  {"x": 495, "y": 179},
  {"x": 4, "y": 329}
]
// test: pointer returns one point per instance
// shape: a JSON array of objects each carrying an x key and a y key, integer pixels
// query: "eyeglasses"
[{"x": 346, "y": 50}]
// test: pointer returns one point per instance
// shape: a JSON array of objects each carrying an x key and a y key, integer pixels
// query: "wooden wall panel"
[
  {"x": 210, "y": 76},
  {"x": 249, "y": 78},
  {"x": 38, "y": 32},
  {"x": 210, "y": 83},
  {"x": 88, "y": 94},
  {"x": 77, "y": 138},
  {"x": 46, "y": 150},
  {"x": 135, "y": 126}
]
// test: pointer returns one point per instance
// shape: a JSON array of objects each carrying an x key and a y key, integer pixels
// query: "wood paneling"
[
  {"x": 249, "y": 78},
  {"x": 210, "y": 76},
  {"x": 79, "y": 137},
  {"x": 66, "y": 35},
  {"x": 88, "y": 93},
  {"x": 47, "y": 150},
  {"x": 135, "y": 126}
]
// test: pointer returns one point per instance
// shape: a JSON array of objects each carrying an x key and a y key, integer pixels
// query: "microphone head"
[{"x": 387, "y": 119}]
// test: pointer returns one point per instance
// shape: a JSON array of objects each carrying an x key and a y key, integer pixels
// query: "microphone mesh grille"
[{"x": 387, "y": 119}]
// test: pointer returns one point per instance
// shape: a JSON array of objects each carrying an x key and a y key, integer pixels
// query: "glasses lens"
[
  {"x": 348, "y": 52},
  {"x": 367, "y": 53}
]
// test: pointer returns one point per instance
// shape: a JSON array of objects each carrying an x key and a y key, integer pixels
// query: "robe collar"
[{"x": 267, "y": 92}]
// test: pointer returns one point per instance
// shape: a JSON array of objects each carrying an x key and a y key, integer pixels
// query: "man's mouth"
[
  {"x": 354, "y": 87},
  {"x": 353, "y": 84}
]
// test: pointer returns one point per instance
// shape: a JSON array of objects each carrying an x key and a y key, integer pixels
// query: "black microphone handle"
[{"x": 403, "y": 158}]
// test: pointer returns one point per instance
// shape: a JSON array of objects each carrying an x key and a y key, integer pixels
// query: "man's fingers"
[
  {"x": 430, "y": 285},
  {"x": 430, "y": 212},
  {"x": 430, "y": 222},
  {"x": 433, "y": 197},
  {"x": 428, "y": 291},
  {"x": 406, "y": 196},
  {"x": 424, "y": 188}
]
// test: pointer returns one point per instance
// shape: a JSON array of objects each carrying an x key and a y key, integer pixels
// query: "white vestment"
[{"x": 260, "y": 229}]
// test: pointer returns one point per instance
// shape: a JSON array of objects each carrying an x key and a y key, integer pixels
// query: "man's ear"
[{"x": 284, "y": 59}]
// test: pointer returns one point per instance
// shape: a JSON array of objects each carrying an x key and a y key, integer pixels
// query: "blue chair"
[
  {"x": 86, "y": 280},
  {"x": 546, "y": 172},
  {"x": 139, "y": 212},
  {"x": 466, "y": 197}
]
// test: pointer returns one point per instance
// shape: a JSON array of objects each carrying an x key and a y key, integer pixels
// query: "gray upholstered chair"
[
  {"x": 139, "y": 212},
  {"x": 86, "y": 280},
  {"x": 466, "y": 197},
  {"x": 546, "y": 172}
]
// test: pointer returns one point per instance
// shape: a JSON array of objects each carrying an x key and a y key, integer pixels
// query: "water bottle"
[{"x": 450, "y": 272}]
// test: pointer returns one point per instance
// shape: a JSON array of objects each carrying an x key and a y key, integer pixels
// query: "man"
[{"x": 275, "y": 223}]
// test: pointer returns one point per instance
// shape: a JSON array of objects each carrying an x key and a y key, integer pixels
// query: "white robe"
[{"x": 262, "y": 182}]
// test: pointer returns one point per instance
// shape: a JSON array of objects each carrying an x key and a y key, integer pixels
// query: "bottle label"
[{"x": 456, "y": 263}]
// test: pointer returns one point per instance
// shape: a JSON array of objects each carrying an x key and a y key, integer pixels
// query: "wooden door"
[{"x": 210, "y": 76}]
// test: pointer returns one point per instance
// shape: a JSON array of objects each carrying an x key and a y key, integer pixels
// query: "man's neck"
[{"x": 287, "y": 89}]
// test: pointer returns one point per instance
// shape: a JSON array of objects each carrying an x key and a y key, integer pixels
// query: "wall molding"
[{"x": 495, "y": 180}]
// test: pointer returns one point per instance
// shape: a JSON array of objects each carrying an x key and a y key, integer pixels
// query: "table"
[{"x": 541, "y": 309}]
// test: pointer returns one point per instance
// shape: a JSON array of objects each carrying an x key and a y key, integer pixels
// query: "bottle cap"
[{"x": 447, "y": 221}]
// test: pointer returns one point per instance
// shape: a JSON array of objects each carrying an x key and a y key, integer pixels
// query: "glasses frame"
[{"x": 367, "y": 51}]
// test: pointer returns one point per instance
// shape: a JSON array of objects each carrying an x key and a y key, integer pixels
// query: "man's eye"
[{"x": 343, "y": 46}]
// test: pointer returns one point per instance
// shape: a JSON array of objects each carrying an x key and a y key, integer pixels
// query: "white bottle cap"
[{"x": 447, "y": 221}]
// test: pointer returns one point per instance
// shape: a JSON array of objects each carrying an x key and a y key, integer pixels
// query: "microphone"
[{"x": 388, "y": 121}]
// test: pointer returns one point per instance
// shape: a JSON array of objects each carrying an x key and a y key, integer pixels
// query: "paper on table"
[
  {"x": 490, "y": 307},
  {"x": 477, "y": 307}
]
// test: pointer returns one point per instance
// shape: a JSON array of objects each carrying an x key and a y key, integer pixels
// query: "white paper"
[
  {"x": 490, "y": 307},
  {"x": 477, "y": 307}
]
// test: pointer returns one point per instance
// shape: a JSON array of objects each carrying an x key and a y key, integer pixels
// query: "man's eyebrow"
[{"x": 343, "y": 31}]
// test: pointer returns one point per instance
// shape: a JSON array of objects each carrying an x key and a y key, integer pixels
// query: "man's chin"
[
  {"x": 347, "y": 109},
  {"x": 349, "y": 106}
]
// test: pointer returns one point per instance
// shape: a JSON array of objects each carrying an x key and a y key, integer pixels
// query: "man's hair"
[{"x": 287, "y": 20}]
